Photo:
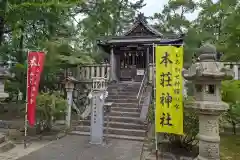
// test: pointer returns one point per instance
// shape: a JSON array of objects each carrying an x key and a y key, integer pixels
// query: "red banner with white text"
[{"x": 35, "y": 67}]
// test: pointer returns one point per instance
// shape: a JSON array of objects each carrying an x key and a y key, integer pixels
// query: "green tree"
[
  {"x": 172, "y": 20},
  {"x": 230, "y": 94}
]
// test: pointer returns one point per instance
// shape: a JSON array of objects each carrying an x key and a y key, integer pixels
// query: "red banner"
[{"x": 35, "y": 67}]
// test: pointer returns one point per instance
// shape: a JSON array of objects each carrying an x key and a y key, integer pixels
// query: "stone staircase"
[
  {"x": 5, "y": 145},
  {"x": 124, "y": 118}
]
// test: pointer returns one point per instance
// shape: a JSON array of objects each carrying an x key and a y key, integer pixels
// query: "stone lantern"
[
  {"x": 69, "y": 86},
  {"x": 3, "y": 74},
  {"x": 206, "y": 75}
]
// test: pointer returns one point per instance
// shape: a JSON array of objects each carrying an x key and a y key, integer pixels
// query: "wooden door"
[
  {"x": 126, "y": 62},
  {"x": 130, "y": 62}
]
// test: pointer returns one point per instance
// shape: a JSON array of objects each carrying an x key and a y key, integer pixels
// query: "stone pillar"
[
  {"x": 97, "y": 118},
  {"x": 97, "y": 114},
  {"x": 207, "y": 75},
  {"x": 208, "y": 136},
  {"x": 69, "y": 89},
  {"x": 113, "y": 74}
]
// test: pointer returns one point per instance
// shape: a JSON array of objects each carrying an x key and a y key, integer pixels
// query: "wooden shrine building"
[{"x": 132, "y": 53}]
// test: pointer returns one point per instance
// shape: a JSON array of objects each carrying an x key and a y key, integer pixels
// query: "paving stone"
[{"x": 78, "y": 148}]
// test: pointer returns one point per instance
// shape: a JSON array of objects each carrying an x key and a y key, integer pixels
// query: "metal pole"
[
  {"x": 154, "y": 91},
  {"x": 26, "y": 110}
]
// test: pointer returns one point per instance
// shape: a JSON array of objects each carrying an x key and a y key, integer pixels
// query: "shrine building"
[{"x": 131, "y": 54}]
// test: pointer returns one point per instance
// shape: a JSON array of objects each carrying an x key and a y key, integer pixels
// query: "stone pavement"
[
  {"x": 78, "y": 148},
  {"x": 19, "y": 150}
]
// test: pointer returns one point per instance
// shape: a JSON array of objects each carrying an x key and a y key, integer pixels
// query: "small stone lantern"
[
  {"x": 206, "y": 75},
  {"x": 3, "y": 74},
  {"x": 69, "y": 86}
]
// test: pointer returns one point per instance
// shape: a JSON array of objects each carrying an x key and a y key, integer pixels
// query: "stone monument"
[
  {"x": 98, "y": 96},
  {"x": 206, "y": 75}
]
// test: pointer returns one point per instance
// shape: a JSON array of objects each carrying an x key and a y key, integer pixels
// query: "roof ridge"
[{"x": 141, "y": 19}]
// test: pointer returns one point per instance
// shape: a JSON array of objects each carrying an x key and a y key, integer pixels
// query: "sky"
[{"x": 153, "y": 6}]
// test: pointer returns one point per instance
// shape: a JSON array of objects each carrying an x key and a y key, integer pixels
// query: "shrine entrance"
[{"x": 132, "y": 65}]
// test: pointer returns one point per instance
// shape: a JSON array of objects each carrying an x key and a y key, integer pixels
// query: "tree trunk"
[
  {"x": 1, "y": 29},
  {"x": 3, "y": 7}
]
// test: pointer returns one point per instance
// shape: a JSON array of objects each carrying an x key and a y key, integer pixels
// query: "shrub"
[
  {"x": 230, "y": 94},
  {"x": 190, "y": 127},
  {"x": 50, "y": 107},
  {"x": 188, "y": 140}
]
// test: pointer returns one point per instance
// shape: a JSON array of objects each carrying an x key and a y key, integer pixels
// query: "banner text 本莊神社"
[{"x": 169, "y": 86}]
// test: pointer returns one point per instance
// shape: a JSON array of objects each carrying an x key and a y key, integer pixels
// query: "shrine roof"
[
  {"x": 107, "y": 42},
  {"x": 141, "y": 20},
  {"x": 140, "y": 33}
]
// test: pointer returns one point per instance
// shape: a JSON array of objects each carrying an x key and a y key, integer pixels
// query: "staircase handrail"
[{"x": 142, "y": 86}]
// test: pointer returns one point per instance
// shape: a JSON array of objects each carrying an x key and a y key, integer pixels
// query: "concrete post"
[{"x": 207, "y": 76}]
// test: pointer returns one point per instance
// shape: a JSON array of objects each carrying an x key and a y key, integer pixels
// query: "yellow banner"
[{"x": 169, "y": 89}]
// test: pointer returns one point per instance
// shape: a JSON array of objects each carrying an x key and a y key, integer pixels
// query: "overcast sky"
[{"x": 153, "y": 6}]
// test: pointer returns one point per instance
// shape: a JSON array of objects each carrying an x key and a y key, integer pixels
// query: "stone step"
[
  {"x": 121, "y": 112},
  {"x": 112, "y": 124},
  {"x": 122, "y": 93},
  {"x": 125, "y": 114},
  {"x": 125, "y": 119},
  {"x": 121, "y": 97},
  {"x": 123, "y": 100},
  {"x": 6, "y": 146},
  {"x": 113, "y": 136},
  {"x": 123, "y": 90},
  {"x": 126, "y": 105},
  {"x": 124, "y": 86},
  {"x": 116, "y": 131},
  {"x": 121, "y": 119},
  {"x": 125, "y": 109}
]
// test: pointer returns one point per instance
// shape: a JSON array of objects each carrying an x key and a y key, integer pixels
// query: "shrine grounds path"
[{"x": 78, "y": 148}]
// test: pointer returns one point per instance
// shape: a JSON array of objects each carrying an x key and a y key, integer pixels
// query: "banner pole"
[
  {"x": 26, "y": 111},
  {"x": 154, "y": 93}
]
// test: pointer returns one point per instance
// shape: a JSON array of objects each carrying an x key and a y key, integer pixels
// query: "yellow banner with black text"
[{"x": 169, "y": 86}]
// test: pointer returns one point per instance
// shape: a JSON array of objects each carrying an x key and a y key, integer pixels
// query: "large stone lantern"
[{"x": 206, "y": 75}]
